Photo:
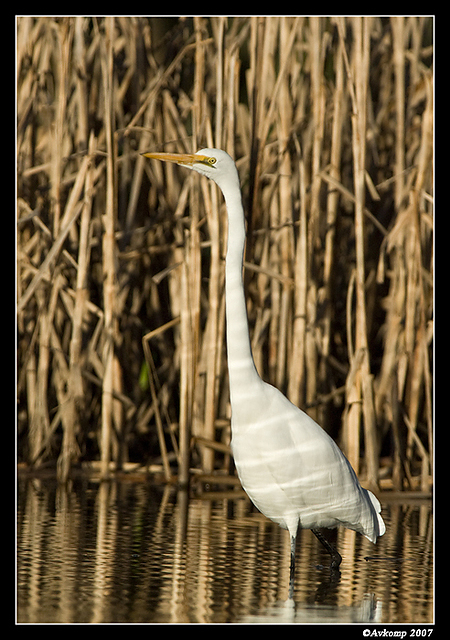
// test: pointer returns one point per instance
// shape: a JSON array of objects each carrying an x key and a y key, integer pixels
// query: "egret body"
[{"x": 290, "y": 468}]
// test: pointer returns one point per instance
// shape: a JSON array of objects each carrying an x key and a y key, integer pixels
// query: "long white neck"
[{"x": 242, "y": 371}]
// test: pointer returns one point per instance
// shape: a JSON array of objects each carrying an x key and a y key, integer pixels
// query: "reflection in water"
[
  {"x": 368, "y": 610},
  {"x": 126, "y": 552}
]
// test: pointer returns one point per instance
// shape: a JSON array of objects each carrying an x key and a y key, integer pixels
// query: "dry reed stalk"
[
  {"x": 109, "y": 250},
  {"x": 339, "y": 102},
  {"x": 155, "y": 398},
  {"x": 314, "y": 214},
  {"x": 74, "y": 404},
  {"x": 187, "y": 372},
  {"x": 297, "y": 374},
  {"x": 62, "y": 34},
  {"x": 398, "y": 46},
  {"x": 192, "y": 418},
  {"x": 357, "y": 400},
  {"x": 284, "y": 203},
  {"x": 212, "y": 339},
  {"x": 255, "y": 90}
]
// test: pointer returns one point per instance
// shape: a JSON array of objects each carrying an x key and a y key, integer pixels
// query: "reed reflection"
[{"x": 127, "y": 552}]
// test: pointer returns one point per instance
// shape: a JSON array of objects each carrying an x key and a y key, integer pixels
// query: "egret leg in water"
[
  {"x": 292, "y": 568},
  {"x": 290, "y": 468},
  {"x": 336, "y": 557}
]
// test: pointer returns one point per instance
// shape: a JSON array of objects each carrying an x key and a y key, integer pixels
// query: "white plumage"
[
  {"x": 288, "y": 465},
  {"x": 295, "y": 473}
]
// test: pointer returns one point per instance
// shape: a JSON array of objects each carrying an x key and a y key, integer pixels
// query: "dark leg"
[
  {"x": 336, "y": 558},
  {"x": 292, "y": 569}
]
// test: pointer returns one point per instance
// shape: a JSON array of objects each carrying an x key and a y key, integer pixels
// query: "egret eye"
[{"x": 212, "y": 161}]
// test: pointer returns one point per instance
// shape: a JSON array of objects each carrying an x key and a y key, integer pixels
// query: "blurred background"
[{"x": 120, "y": 260}]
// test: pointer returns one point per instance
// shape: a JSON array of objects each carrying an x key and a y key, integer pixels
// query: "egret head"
[{"x": 212, "y": 163}]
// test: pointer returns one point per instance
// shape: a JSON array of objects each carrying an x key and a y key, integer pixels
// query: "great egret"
[{"x": 288, "y": 465}]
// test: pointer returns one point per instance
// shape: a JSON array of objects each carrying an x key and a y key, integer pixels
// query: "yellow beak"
[{"x": 184, "y": 159}]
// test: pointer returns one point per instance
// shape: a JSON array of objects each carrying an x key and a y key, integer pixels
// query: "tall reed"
[{"x": 331, "y": 124}]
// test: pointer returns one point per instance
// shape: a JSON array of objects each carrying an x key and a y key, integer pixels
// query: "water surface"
[{"x": 132, "y": 552}]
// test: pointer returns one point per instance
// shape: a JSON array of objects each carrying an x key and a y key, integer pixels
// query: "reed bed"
[{"x": 120, "y": 260}]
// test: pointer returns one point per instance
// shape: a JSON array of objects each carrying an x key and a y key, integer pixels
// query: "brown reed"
[{"x": 331, "y": 123}]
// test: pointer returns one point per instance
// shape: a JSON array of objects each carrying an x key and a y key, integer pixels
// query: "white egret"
[{"x": 288, "y": 465}]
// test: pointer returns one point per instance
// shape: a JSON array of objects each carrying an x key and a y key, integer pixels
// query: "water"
[{"x": 130, "y": 552}]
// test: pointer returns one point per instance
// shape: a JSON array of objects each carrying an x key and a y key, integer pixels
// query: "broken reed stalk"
[{"x": 331, "y": 123}]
